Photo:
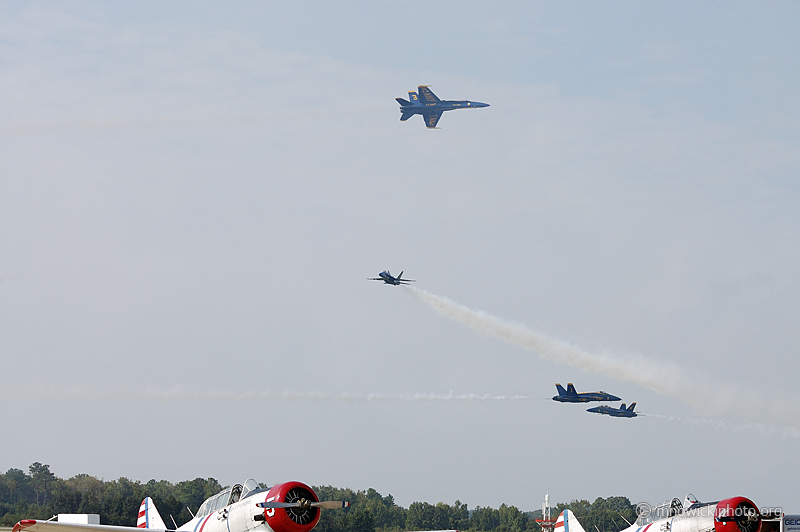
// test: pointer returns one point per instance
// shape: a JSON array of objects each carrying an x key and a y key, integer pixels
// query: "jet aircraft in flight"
[
  {"x": 571, "y": 396},
  {"x": 614, "y": 412},
  {"x": 388, "y": 278},
  {"x": 287, "y": 507},
  {"x": 427, "y": 104}
]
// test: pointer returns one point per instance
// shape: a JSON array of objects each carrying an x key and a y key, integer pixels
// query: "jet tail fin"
[
  {"x": 630, "y": 408},
  {"x": 567, "y": 522},
  {"x": 405, "y": 116},
  {"x": 149, "y": 516},
  {"x": 624, "y": 407},
  {"x": 403, "y": 102},
  {"x": 561, "y": 390},
  {"x": 427, "y": 95},
  {"x": 400, "y": 276},
  {"x": 571, "y": 389},
  {"x": 414, "y": 97}
]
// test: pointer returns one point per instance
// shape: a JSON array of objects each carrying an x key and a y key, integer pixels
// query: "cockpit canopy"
[{"x": 229, "y": 496}]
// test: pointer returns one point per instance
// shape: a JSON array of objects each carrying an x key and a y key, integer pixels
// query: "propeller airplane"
[
  {"x": 286, "y": 507},
  {"x": 735, "y": 514}
]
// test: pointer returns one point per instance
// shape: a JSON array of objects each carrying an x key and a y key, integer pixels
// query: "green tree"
[
  {"x": 360, "y": 520},
  {"x": 41, "y": 481},
  {"x": 511, "y": 519},
  {"x": 484, "y": 519},
  {"x": 426, "y": 516}
]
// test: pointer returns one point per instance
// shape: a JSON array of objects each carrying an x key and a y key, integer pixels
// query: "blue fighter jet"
[
  {"x": 571, "y": 396},
  {"x": 427, "y": 104},
  {"x": 388, "y": 278},
  {"x": 614, "y": 412}
]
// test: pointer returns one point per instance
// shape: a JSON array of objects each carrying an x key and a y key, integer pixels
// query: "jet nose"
[{"x": 479, "y": 104}]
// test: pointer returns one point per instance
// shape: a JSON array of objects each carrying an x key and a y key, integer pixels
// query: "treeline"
[
  {"x": 607, "y": 515},
  {"x": 39, "y": 494}
]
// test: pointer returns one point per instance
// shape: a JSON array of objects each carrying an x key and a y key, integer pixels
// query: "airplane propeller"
[
  {"x": 304, "y": 504},
  {"x": 751, "y": 517}
]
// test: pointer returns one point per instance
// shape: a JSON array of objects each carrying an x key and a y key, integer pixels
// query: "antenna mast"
[{"x": 547, "y": 523}]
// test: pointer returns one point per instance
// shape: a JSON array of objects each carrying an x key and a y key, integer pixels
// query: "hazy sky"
[{"x": 192, "y": 195}]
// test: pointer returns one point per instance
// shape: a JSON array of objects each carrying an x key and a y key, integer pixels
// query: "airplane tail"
[
  {"x": 571, "y": 389},
  {"x": 400, "y": 276},
  {"x": 414, "y": 97},
  {"x": 427, "y": 94},
  {"x": 567, "y": 522},
  {"x": 405, "y": 116},
  {"x": 149, "y": 516},
  {"x": 403, "y": 102},
  {"x": 561, "y": 390},
  {"x": 630, "y": 408}
]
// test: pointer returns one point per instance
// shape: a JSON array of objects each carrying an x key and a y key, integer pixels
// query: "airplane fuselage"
[
  {"x": 736, "y": 514},
  {"x": 287, "y": 507},
  {"x": 585, "y": 397},
  {"x": 430, "y": 107},
  {"x": 444, "y": 105},
  {"x": 221, "y": 513},
  {"x": 570, "y": 395},
  {"x": 613, "y": 412},
  {"x": 388, "y": 279}
]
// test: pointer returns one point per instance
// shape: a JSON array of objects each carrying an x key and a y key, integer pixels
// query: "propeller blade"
[
  {"x": 275, "y": 504},
  {"x": 739, "y": 518},
  {"x": 331, "y": 505},
  {"x": 305, "y": 504}
]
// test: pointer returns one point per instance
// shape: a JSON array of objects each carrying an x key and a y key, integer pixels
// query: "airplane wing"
[
  {"x": 427, "y": 95},
  {"x": 34, "y": 525},
  {"x": 431, "y": 119}
]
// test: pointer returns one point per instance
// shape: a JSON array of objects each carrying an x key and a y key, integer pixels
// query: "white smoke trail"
[
  {"x": 179, "y": 394},
  {"x": 17, "y": 129},
  {"x": 699, "y": 390}
]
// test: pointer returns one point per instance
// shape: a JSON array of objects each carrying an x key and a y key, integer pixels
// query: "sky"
[{"x": 193, "y": 196}]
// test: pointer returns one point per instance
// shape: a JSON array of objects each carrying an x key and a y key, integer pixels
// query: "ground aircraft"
[
  {"x": 388, "y": 278},
  {"x": 427, "y": 104},
  {"x": 736, "y": 514},
  {"x": 571, "y": 396},
  {"x": 287, "y": 507},
  {"x": 614, "y": 412}
]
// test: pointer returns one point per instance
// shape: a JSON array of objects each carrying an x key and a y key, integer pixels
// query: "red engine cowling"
[
  {"x": 737, "y": 514},
  {"x": 291, "y": 519}
]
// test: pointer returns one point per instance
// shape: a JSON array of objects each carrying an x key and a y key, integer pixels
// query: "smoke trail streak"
[
  {"x": 784, "y": 433},
  {"x": 697, "y": 389},
  {"x": 180, "y": 394},
  {"x": 146, "y": 124}
]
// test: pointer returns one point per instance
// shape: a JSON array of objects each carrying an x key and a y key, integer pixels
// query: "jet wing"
[
  {"x": 427, "y": 95},
  {"x": 431, "y": 119},
  {"x": 34, "y": 525}
]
